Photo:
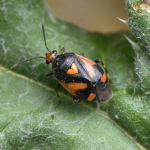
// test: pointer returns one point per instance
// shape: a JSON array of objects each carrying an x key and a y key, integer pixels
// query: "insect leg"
[
  {"x": 58, "y": 94},
  {"x": 81, "y": 54},
  {"x": 63, "y": 50},
  {"x": 97, "y": 61},
  {"x": 50, "y": 74},
  {"x": 75, "y": 100}
]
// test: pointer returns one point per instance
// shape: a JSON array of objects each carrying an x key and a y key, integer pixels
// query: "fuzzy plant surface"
[{"x": 28, "y": 116}]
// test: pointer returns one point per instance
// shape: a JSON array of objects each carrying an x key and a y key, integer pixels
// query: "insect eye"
[
  {"x": 47, "y": 61},
  {"x": 104, "y": 92},
  {"x": 54, "y": 52}
]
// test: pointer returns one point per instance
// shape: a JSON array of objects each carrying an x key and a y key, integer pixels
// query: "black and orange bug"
[{"x": 80, "y": 76}]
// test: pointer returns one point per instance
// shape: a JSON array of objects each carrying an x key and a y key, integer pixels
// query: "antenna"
[
  {"x": 24, "y": 61},
  {"x": 44, "y": 33},
  {"x": 47, "y": 58}
]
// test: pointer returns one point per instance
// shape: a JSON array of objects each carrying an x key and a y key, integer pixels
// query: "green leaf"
[
  {"x": 28, "y": 117},
  {"x": 139, "y": 16}
]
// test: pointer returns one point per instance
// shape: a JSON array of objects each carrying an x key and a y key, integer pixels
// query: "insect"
[{"x": 80, "y": 76}]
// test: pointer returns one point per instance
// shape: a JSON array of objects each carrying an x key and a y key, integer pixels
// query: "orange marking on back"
[
  {"x": 104, "y": 78},
  {"x": 86, "y": 60},
  {"x": 73, "y": 70},
  {"x": 88, "y": 65},
  {"x": 73, "y": 87},
  {"x": 91, "y": 97}
]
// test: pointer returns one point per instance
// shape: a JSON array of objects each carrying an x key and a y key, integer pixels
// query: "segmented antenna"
[
  {"x": 37, "y": 56},
  {"x": 24, "y": 61},
  {"x": 44, "y": 33}
]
